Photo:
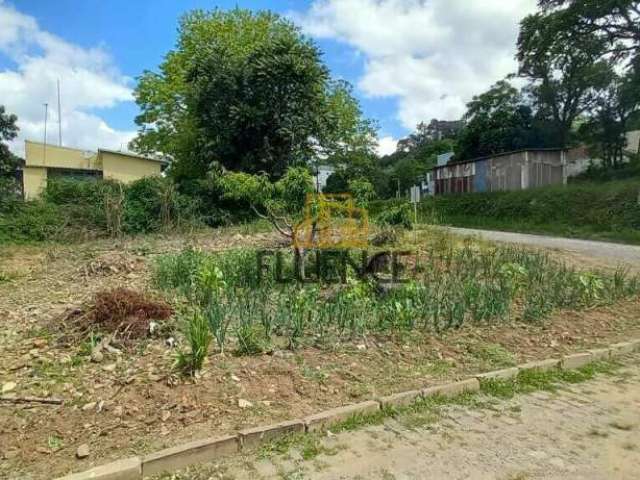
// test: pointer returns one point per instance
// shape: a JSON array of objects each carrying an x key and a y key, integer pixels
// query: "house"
[
  {"x": 633, "y": 141},
  {"x": 323, "y": 172},
  {"x": 518, "y": 170},
  {"x": 49, "y": 161}
]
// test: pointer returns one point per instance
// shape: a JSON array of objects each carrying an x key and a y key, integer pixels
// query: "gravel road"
[
  {"x": 614, "y": 253},
  {"x": 585, "y": 431}
]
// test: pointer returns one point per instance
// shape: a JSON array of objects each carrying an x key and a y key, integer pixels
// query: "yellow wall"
[
  {"x": 60, "y": 157},
  {"x": 126, "y": 168},
  {"x": 34, "y": 181}
]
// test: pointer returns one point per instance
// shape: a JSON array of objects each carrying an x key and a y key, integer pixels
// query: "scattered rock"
[
  {"x": 362, "y": 346},
  {"x": 110, "y": 368},
  {"x": 234, "y": 378},
  {"x": 83, "y": 451},
  {"x": 242, "y": 403},
  {"x": 96, "y": 354},
  {"x": 118, "y": 411},
  {"x": 89, "y": 406},
  {"x": 165, "y": 415},
  {"x": 8, "y": 387}
]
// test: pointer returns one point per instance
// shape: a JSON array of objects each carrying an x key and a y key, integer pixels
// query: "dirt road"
[
  {"x": 610, "y": 253},
  {"x": 588, "y": 431}
]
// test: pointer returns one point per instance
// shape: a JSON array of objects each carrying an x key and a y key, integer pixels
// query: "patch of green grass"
[
  {"x": 54, "y": 442},
  {"x": 534, "y": 380},
  {"x": 308, "y": 445}
]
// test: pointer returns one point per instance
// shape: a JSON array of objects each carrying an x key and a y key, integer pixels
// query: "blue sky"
[{"x": 402, "y": 56}]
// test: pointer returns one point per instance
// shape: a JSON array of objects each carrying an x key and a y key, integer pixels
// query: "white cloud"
[
  {"x": 433, "y": 55},
  {"x": 386, "y": 146},
  {"x": 88, "y": 80}
]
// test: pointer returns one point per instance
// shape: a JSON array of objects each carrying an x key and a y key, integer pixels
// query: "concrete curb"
[{"x": 201, "y": 451}]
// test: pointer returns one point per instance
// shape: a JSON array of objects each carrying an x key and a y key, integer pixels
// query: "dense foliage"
[
  {"x": 247, "y": 92},
  {"x": 77, "y": 210}
]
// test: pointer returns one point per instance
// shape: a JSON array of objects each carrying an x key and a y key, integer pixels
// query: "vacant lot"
[{"x": 275, "y": 351}]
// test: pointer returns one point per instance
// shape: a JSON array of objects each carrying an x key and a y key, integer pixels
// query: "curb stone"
[
  {"x": 601, "y": 354},
  {"x": 624, "y": 348},
  {"x": 251, "y": 438},
  {"x": 453, "y": 389},
  {"x": 401, "y": 399},
  {"x": 577, "y": 360},
  {"x": 202, "y": 451},
  {"x": 126, "y": 469},
  {"x": 323, "y": 419},
  {"x": 181, "y": 456},
  {"x": 504, "y": 374},
  {"x": 541, "y": 365}
]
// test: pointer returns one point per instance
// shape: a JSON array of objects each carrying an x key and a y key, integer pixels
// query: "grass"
[
  {"x": 456, "y": 285},
  {"x": 528, "y": 381}
]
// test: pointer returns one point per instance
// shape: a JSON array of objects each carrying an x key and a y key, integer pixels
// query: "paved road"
[
  {"x": 613, "y": 252},
  {"x": 588, "y": 431}
]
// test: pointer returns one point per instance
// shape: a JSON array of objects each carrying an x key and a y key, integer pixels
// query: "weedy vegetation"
[{"x": 448, "y": 287}]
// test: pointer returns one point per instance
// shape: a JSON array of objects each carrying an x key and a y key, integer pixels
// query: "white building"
[{"x": 322, "y": 174}]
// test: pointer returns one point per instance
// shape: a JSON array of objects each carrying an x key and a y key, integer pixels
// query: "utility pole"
[
  {"x": 46, "y": 111},
  {"x": 59, "y": 118}
]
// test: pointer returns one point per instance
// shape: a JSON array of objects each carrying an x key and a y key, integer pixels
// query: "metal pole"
[
  {"x": 59, "y": 117},
  {"x": 46, "y": 111}
]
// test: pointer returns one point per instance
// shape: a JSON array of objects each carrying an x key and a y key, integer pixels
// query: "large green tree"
[
  {"x": 8, "y": 131},
  {"x": 245, "y": 91},
  {"x": 498, "y": 120},
  {"x": 615, "y": 22},
  {"x": 567, "y": 76}
]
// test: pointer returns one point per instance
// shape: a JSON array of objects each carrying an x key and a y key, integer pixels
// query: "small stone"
[
  {"x": 165, "y": 415},
  {"x": 118, "y": 411},
  {"x": 39, "y": 342},
  {"x": 110, "y": 368},
  {"x": 89, "y": 406},
  {"x": 8, "y": 387},
  {"x": 83, "y": 451},
  {"x": 242, "y": 403},
  {"x": 362, "y": 346},
  {"x": 234, "y": 378},
  {"x": 96, "y": 355}
]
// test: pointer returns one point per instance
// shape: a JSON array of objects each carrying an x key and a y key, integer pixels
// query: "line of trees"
[{"x": 579, "y": 64}]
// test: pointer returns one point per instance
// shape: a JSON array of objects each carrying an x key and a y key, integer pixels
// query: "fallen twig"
[{"x": 47, "y": 400}]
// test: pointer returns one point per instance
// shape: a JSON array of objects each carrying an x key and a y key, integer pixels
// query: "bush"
[
  {"x": 81, "y": 209},
  {"x": 396, "y": 215}
]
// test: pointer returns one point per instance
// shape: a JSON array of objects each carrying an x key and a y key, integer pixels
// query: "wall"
[
  {"x": 34, "y": 179},
  {"x": 633, "y": 141},
  {"x": 60, "y": 157},
  {"x": 127, "y": 169}
]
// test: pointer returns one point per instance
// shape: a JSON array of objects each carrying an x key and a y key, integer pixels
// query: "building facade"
[
  {"x": 518, "y": 170},
  {"x": 49, "y": 161}
]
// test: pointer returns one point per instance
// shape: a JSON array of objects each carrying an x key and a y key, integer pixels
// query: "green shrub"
[
  {"x": 32, "y": 221},
  {"x": 196, "y": 332},
  {"x": 396, "y": 215}
]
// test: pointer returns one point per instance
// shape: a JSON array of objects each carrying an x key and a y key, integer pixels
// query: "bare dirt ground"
[
  {"x": 588, "y": 431},
  {"x": 131, "y": 403}
]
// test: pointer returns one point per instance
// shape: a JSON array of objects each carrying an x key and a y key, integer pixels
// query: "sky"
[{"x": 408, "y": 60}]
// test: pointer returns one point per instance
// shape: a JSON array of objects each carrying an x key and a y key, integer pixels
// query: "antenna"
[
  {"x": 46, "y": 111},
  {"x": 59, "y": 117}
]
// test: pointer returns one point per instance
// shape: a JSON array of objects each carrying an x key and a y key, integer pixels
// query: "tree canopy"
[
  {"x": 245, "y": 91},
  {"x": 8, "y": 131}
]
